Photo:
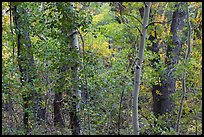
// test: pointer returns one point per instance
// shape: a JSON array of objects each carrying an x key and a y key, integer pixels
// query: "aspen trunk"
[
  {"x": 139, "y": 68},
  {"x": 76, "y": 95}
]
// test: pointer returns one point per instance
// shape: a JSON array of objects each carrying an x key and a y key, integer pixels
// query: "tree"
[
  {"x": 177, "y": 126},
  {"x": 58, "y": 116},
  {"x": 76, "y": 95},
  {"x": 139, "y": 68},
  {"x": 162, "y": 102},
  {"x": 71, "y": 37},
  {"x": 26, "y": 65},
  {"x": 72, "y": 68}
]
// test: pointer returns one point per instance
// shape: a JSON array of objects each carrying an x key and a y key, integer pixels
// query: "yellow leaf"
[
  {"x": 152, "y": 32},
  {"x": 178, "y": 84},
  {"x": 158, "y": 92}
]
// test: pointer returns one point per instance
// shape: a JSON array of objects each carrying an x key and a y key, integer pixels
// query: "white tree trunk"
[
  {"x": 75, "y": 44},
  {"x": 139, "y": 68},
  {"x": 76, "y": 94}
]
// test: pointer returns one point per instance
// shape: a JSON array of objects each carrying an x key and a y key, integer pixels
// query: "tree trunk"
[
  {"x": 58, "y": 119},
  {"x": 139, "y": 68},
  {"x": 71, "y": 38},
  {"x": 26, "y": 64},
  {"x": 162, "y": 102},
  {"x": 22, "y": 60},
  {"x": 76, "y": 95}
]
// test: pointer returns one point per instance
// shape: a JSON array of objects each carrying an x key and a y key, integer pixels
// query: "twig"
[
  {"x": 59, "y": 101},
  {"x": 139, "y": 31},
  {"x": 157, "y": 22},
  {"x": 41, "y": 37},
  {"x": 134, "y": 18},
  {"x": 134, "y": 27}
]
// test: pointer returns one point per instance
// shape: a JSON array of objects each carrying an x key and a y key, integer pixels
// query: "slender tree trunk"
[
  {"x": 184, "y": 73},
  {"x": 76, "y": 95},
  {"x": 85, "y": 91},
  {"x": 71, "y": 37},
  {"x": 139, "y": 68}
]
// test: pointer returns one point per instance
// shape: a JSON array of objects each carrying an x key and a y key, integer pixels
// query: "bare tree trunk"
[
  {"x": 139, "y": 68},
  {"x": 76, "y": 95}
]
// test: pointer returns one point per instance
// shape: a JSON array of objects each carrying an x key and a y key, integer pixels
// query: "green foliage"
[{"x": 105, "y": 67}]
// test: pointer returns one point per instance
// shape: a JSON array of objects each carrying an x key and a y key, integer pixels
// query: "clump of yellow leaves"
[
  {"x": 102, "y": 49},
  {"x": 98, "y": 18},
  {"x": 178, "y": 84}
]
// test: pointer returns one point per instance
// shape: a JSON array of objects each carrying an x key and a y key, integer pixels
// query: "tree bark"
[
  {"x": 58, "y": 119},
  {"x": 70, "y": 34},
  {"x": 76, "y": 95},
  {"x": 23, "y": 62},
  {"x": 26, "y": 64},
  {"x": 162, "y": 103},
  {"x": 58, "y": 100},
  {"x": 139, "y": 68}
]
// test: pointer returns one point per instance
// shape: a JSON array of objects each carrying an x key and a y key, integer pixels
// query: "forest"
[{"x": 101, "y": 68}]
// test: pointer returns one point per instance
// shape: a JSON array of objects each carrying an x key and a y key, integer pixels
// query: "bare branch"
[
  {"x": 41, "y": 37},
  {"x": 139, "y": 31},
  {"x": 145, "y": 4},
  {"x": 158, "y": 23},
  {"x": 59, "y": 101}
]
